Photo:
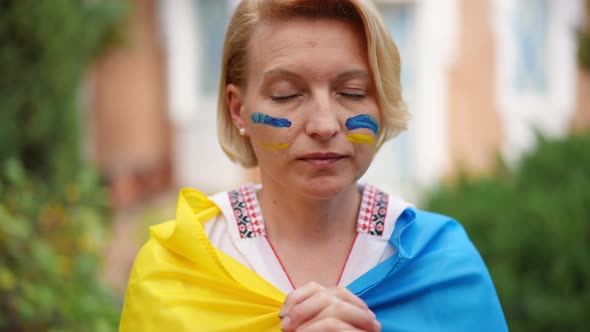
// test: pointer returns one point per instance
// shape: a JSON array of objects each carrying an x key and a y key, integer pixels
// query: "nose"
[{"x": 322, "y": 119}]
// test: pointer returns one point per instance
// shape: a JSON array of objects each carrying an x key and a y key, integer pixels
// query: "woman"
[{"x": 309, "y": 91}]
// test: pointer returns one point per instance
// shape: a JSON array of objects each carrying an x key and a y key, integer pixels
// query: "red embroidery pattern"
[
  {"x": 247, "y": 212},
  {"x": 373, "y": 211},
  {"x": 371, "y": 219}
]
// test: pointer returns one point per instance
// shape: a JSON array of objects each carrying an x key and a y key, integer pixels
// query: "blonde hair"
[{"x": 382, "y": 53}]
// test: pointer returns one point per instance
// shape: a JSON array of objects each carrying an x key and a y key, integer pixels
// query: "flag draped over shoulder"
[
  {"x": 435, "y": 282},
  {"x": 180, "y": 282}
]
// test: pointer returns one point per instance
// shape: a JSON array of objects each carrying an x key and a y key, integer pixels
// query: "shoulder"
[
  {"x": 438, "y": 270},
  {"x": 422, "y": 231},
  {"x": 441, "y": 243},
  {"x": 181, "y": 238}
]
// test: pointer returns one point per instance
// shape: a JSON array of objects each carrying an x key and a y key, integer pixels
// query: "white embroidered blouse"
[{"x": 239, "y": 232}]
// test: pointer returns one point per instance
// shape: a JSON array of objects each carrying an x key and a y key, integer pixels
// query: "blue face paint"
[
  {"x": 269, "y": 120},
  {"x": 362, "y": 121}
]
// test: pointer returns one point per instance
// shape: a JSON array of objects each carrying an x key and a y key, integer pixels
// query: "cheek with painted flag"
[{"x": 363, "y": 128}]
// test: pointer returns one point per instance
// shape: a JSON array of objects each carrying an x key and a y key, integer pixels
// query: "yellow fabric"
[{"x": 180, "y": 282}]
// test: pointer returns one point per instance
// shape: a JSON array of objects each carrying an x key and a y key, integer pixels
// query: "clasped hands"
[{"x": 313, "y": 307}]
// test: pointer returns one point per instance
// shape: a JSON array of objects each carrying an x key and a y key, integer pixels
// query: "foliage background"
[
  {"x": 53, "y": 207},
  {"x": 531, "y": 224}
]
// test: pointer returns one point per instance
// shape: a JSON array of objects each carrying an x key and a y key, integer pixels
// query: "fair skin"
[{"x": 315, "y": 74}]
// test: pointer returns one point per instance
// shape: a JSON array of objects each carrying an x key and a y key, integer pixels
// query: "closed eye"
[
  {"x": 354, "y": 96},
  {"x": 282, "y": 99}
]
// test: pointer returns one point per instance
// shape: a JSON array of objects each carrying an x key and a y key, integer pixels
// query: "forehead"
[{"x": 307, "y": 44}]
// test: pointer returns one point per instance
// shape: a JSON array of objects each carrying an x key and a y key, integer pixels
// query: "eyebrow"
[
  {"x": 279, "y": 73},
  {"x": 353, "y": 73}
]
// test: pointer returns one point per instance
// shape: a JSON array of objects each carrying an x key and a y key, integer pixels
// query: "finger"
[
  {"x": 305, "y": 310},
  {"x": 345, "y": 294},
  {"x": 303, "y": 293},
  {"x": 325, "y": 305},
  {"x": 328, "y": 325},
  {"x": 360, "y": 318},
  {"x": 318, "y": 301},
  {"x": 299, "y": 295}
]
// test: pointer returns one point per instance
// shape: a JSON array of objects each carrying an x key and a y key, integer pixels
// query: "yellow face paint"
[
  {"x": 274, "y": 147},
  {"x": 360, "y": 139}
]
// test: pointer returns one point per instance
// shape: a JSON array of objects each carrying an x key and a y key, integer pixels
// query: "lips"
[{"x": 322, "y": 159}]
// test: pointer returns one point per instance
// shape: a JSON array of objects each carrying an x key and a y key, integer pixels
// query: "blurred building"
[{"x": 479, "y": 77}]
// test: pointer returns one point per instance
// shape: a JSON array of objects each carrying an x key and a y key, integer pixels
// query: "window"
[
  {"x": 393, "y": 166},
  {"x": 212, "y": 19},
  {"x": 530, "y": 29}
]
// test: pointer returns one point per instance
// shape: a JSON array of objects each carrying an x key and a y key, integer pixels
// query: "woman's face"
[{"x": 309, "y": 108}]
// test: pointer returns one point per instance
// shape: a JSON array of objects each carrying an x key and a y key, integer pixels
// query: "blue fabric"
[{"x": 437, "y": 281}]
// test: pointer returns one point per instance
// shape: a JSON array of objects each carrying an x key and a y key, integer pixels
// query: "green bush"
[
  {"x": 45, "y": 49},
  {"x": 53, "y": 209},
  {"x": 50, "y": 242},
  {"x": 532, "y": 226}
]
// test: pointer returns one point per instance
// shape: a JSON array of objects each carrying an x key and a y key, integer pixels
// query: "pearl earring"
[{"x": 242, "y": 131}]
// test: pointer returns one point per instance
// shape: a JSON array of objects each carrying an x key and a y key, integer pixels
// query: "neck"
[{"x": 290, "y": 216}]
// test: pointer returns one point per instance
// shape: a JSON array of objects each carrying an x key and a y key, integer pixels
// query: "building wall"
[
  {"x": 193, "y": 36},
  {"x": 474, "y": 132},
  {"x": 131, "y": 130},
  {"x": 581, "y": 119},
  {"x": 536, "y": 70}
]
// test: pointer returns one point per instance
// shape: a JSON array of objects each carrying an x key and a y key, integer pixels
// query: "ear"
[{"x": 235, "y": 101}]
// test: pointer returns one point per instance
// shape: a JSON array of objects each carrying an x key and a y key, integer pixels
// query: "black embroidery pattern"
[
  {"x": 373, "y": 211},
  {"x": 371, "y": 219},
  {"x": 247, "y": 212}
]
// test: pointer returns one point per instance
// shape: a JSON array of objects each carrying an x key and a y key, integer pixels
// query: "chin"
[{"x": 325, "y": 188}]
